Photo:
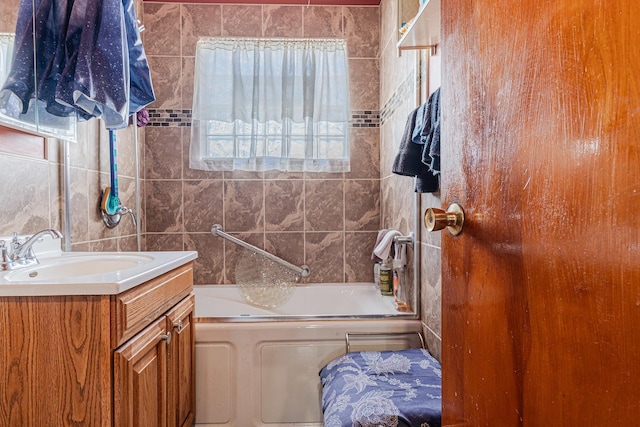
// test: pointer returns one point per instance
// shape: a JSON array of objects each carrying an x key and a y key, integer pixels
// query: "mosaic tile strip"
[
  {"x": 169, "y": 117},
  {"x": 179, "y": 118},
  {"x": 365, "y": 119},
  {"x": 399, "y": 96}
]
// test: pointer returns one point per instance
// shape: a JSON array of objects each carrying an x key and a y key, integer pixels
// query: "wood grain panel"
[
  {"x": 541, "y": 321},
  {"x": 181, "y": 365},
  {"x": 52, "y": 365},
  {"x": 140, "y": 379},
  {"x": 134, "y": 309},
  {"x": 13, "y": 141}
]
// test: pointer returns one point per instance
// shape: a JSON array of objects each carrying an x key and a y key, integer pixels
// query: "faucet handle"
[
  {"x": 14, "y": 243},
  {"x": 125, "y": 210},
  {"x": 112, "y": 220},
  {"x": 6, "y": 263}
]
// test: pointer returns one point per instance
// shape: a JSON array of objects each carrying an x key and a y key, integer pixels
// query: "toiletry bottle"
[
  {"x": 386, "y": 279},
  {"x": 376, "y": 274},
  {"x": 399, "y": 278},
  {"x": 395, "y": 285}
]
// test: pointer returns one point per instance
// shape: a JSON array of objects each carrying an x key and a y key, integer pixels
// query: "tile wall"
[
  {"x": 33, "y": 193},
  {"x": 327, "y": 221},
  {"x": 404, "y": 82}
]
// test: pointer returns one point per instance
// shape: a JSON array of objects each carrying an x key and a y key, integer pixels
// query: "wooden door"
[
  {"x": 181, "y": 380},
  {"x": 140, "y": 379},
  {"x": 541, "y": 145}
]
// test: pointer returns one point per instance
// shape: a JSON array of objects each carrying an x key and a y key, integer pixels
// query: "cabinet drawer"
[{"x": 138, "y": 307}]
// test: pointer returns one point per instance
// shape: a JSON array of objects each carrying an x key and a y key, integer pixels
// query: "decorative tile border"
[
  {"x": 399, "y": 96},
  {"x": 365, "y": 119},
  {"x": 169, "y": 117},
  {"x": 179, "y": 118}
]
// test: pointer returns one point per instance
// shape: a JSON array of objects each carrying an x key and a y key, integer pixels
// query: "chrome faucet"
[{"x": 20, "y": 253}]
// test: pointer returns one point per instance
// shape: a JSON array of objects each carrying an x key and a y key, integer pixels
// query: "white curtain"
[
  {"x": 6, "y": 55},
  {"x": 262, "y": 104}
]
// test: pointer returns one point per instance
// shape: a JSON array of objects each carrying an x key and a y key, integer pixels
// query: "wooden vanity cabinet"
[
  {"x": 153, "y": 373},
  {"x": 110, "y": 361}
]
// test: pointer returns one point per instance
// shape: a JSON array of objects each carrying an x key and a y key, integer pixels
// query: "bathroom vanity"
[{"x": 119, "y": 358}]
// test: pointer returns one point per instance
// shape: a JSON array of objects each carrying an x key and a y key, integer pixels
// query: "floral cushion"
[{"x": 382, "y": 389}]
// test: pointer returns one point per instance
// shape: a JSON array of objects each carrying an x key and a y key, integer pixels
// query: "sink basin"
[
  {"x": 54, "y": 269},
  {"x": 87, "y": 273}
]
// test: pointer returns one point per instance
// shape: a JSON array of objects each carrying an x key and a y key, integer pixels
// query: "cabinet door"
[
  {"x": 140, "y": 382},
  {"x": 181, "y": 365}
]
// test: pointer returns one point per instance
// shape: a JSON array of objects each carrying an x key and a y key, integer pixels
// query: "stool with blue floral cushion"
[{"x": 382, "y": 389}]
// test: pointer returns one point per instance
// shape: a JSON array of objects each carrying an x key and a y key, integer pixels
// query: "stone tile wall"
[
  {"x": 328, "y": 221},
  {"x": 404, "y": 81}
]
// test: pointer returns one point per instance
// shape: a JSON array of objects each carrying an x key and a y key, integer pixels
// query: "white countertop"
[{"x": 141, "y": 267}]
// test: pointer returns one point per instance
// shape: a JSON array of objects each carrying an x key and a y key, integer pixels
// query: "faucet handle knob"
[
  {"x": 133, "y": 218},
  {"x": 15, "y": 242},
  {"x": 5, "y": 258},
  {"x": 125, "y": 210}
]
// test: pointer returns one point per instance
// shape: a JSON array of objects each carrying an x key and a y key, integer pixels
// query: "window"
[{"x": 263, "y": 104}]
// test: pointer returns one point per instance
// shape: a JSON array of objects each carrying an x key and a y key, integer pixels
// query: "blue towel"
[
  {"x": 416, "y": 137},
  {"x": 408, "y": 160},
  {"x": 430, "y": 133},
  {"x": 141, "y": 91}
]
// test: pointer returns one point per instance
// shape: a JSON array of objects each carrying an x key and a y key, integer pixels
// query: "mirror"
[{"x": 35, "y": 118}]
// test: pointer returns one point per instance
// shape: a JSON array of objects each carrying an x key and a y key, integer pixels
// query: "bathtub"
[{"x": 259, "y": 367}]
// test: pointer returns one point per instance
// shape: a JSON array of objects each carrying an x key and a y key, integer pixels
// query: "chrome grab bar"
[{"x": 303, "y": 271}]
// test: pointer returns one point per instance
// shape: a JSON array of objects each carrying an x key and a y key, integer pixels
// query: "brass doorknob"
[{"x": 437, "y": 219}]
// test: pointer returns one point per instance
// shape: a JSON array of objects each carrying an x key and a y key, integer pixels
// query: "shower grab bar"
[{"x": 304, "y": 270}]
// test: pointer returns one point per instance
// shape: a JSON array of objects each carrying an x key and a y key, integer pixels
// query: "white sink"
[
  {"x": 64, "y": 267},
  {"x": 87, "y": 273}
]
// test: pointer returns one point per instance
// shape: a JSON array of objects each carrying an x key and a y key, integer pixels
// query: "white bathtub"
[
  {"x": 257, "y": 367},
  {"x": 318, "y": 301}
]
